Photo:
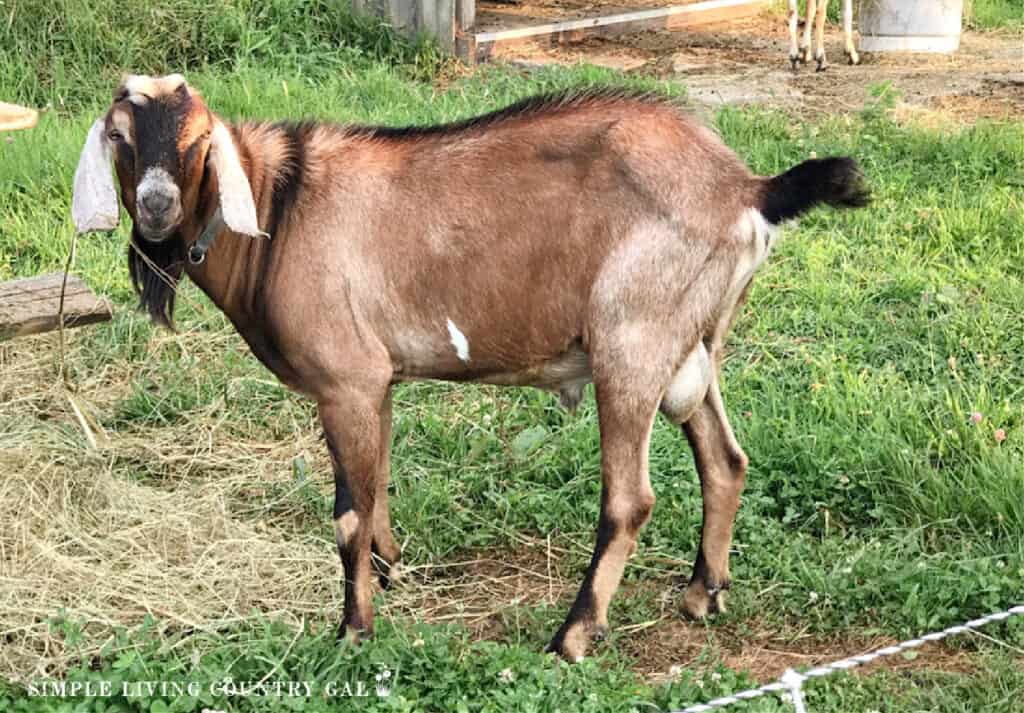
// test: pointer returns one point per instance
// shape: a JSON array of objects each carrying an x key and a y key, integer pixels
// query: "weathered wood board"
[
  {"x": 411, "y": 17},
  {"x": 31, "y": 305}
]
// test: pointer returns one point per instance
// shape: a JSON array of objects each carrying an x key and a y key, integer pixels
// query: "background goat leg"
[
  {"x": 851, "y": 54},
  {"x": 794, "y": 21},
  {"x": 805, "y": 45},
  {"x": 819, "y": 36},
  {"x": 352, "y": 424}
]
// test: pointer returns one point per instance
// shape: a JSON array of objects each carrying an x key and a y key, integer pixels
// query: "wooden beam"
[
  {"x": 483, "y": 45},
  {"x": 30, "y": 306}
]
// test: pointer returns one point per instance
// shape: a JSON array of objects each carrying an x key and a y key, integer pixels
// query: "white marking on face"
[
  {"x": 142, "y": 88},
  {"x": 459, "y": 341},
  {"x": 120, "y": 120},
  {"x": 158, "y": 180}
]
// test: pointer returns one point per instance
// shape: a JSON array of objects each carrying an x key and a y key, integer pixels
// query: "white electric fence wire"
[{"x": 792, "y": 681}]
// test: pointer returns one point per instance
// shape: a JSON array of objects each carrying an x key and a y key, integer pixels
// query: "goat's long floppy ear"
[
  {"x": 94, "y": 200},
  {"x": 236, "y": 202}
]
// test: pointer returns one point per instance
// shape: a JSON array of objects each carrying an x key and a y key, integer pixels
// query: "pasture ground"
[
  {"x": 745, "y": 62},
  {"x": 193, "y": 542}
]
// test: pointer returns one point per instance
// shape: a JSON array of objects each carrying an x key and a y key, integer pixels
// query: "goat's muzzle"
[{"x": 158, "y": 205}]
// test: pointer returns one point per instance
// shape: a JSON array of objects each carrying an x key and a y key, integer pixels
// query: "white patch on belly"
[{"x": 459, "y": 341}]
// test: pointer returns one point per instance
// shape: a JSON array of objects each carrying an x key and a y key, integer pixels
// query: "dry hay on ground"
[{"x": 87, "y": 532}]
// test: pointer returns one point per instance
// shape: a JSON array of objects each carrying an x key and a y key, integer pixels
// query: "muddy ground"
[{"x": 745, "y": 62}]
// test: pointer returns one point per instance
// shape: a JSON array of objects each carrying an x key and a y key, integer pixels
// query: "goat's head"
[
  {"x": 173, "y": 158},
  {"x": 166, "y": 147}
]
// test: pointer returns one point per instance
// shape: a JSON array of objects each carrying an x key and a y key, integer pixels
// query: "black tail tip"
[{"x": 836, "y": 181}]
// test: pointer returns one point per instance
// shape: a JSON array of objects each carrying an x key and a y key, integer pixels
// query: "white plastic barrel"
[{"x": 910, "y": 25}]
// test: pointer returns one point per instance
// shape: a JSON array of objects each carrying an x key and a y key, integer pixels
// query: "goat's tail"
[{"x": 837, "y": 181}]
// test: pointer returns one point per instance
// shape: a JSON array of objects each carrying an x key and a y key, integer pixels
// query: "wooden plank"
[
  {"x": 30, "y": 306},
  {"x": 483, "y": 45}
]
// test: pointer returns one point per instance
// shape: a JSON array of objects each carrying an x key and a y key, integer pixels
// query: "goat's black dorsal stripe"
[{"x": 290, "y": 175}]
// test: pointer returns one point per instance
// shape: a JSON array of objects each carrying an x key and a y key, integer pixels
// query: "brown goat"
[{"x": 566, "y": 239}]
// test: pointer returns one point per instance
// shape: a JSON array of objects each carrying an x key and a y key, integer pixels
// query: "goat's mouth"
[{"x": 158, "y": 228}]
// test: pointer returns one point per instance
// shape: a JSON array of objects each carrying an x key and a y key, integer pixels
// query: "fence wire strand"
[{"x": 792, "y": 681}]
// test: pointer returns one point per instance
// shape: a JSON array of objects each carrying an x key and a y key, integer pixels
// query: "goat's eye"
[{"x": 115, "y": 135}]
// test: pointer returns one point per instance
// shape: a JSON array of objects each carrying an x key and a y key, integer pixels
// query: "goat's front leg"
[
  {"x": 722, "y": 466},
  {"x": 626, "y": 503},
  {"x": 385, "y": 549},
  {"x": 794, "y": 21},
  {"x": 351, "y": 421},
  {"x": 851, "y": 53}
]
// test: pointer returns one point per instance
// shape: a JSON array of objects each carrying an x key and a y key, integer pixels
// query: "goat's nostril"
[{"x": 156, "y": 203}]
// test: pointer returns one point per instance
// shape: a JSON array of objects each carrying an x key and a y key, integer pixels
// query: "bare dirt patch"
[
  {"x": 745, "y": 62},
  {"x": 478, "y": 592}
]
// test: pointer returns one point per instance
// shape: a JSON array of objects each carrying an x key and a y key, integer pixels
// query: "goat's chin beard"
[
  {"x": 156, "y": 235},
  {"x": 155, "y": 268}
]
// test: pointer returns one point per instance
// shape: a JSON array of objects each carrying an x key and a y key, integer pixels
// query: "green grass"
[
  {"x": 875, "y": 505},
  {"x": 978, "y": 14},
  {"x": 994, "y": 14}
]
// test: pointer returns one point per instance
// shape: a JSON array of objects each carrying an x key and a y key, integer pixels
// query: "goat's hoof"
[
  {"x": 794, "y": 61},
  {"x": 349, "y": 634},
  {"x": 822, "y": 66},
  {"x": 573, "y": 639},
  {"x": 700, "y": 602},
  {"x": 853, "y": 58}
]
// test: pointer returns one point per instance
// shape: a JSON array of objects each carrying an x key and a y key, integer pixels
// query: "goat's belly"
[{"x": 565, "y": 373}]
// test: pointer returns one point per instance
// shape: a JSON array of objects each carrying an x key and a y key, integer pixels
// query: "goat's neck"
[{"x": 235, "y": 268}]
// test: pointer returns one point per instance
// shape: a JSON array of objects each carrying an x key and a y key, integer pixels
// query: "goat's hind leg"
[
  {"x": 626, "y": 502},
  {"x": 722, "y": 466},
  {"x": 631, "y": 365}
]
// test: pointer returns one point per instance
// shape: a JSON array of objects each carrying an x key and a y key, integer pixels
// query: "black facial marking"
[{"x": 156, "y": 131}]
